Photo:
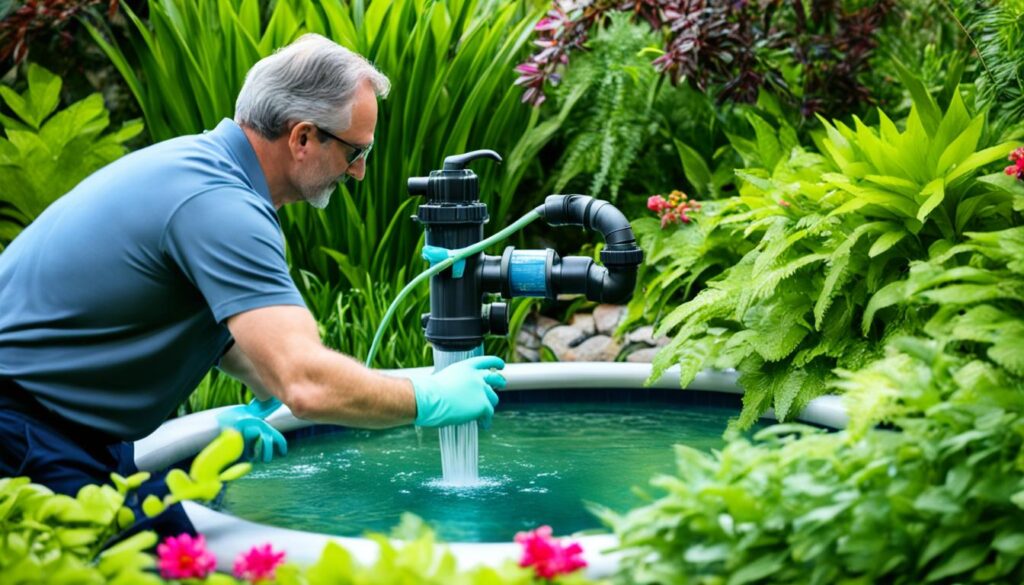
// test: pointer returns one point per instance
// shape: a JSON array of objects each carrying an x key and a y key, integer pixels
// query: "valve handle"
[{"x": 459, "y": 161}]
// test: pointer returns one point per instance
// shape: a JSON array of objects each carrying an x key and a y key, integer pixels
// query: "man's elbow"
[{"x": 302, "y": 401}]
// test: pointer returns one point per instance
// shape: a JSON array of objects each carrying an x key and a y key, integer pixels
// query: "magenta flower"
[
  {"x": 547, "y": 556},
  {"x": 258, "y": 564},
  {"x": 1017, "y": 168},
  {"x": 184, "y": 557}
]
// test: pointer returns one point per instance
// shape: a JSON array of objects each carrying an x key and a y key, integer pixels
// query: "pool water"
[{"x": 539, "y": 464}]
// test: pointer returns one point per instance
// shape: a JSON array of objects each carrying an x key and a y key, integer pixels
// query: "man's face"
[{"x": 332, "y": 161}]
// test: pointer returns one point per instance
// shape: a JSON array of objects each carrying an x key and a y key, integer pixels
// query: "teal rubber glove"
[
  {"x": 260, "y": 438},
  {"x": 462, "y": 392}
]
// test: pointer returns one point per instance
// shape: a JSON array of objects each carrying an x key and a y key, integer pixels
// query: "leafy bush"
[
  {"x": 45, "y": 153},
  {"x": 926, "y": 484},
  {"x": 871, "y": 201},
  {"x": 606, "y": 134},
  {"x": 813, "y": 54},
  {"x": 938, "y": 498}
]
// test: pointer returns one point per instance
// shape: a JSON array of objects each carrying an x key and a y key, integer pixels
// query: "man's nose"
[{"x": 357, "y": 170}]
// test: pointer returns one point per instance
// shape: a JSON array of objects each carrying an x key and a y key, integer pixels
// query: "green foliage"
[
  {"x": 828, "y": 231},
  {"x": 995, "y": 29},
  {"x": 348, "y": 320},
  {"x": 54, "y": 538},
  {"x": 940, "y": 498},
  {"x": 48, "y": 152},
  {"x": 216, "y": 389},
  {"x": 607, "y": 134}
]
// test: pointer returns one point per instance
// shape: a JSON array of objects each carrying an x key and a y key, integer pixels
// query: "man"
[{"x": 121, "y": 296}]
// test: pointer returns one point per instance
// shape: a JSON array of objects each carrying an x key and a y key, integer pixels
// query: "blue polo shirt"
[{"x": 113, "y": 302}]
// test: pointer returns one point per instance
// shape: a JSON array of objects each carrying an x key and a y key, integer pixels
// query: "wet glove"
[
  {"x": 462, "y": 392},
  {"x": 260, "y": 438}
]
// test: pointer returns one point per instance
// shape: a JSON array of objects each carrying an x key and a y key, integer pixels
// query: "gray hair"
[{"x": 311, "y": 79}]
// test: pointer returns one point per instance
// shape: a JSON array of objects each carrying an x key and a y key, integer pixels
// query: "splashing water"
[{"x": 459, "y": 443}]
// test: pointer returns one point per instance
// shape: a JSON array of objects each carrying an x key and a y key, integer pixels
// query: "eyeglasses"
[{"x": 357, "y": 153}]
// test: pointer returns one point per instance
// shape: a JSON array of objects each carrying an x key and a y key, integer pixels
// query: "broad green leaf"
[
  {"x": 152, "y": 506},
  {"x": 43, "y": 94},
  {"x": 928, "y": 110},
  {"x": 960, "y": 562},
  {"x": 935, "y": 193},
  {"x": 762, "y": 568},
  {"x": 961, "y": 148},
  {"x": 696, "y": 170},
  {"x": 221, "y": 452},
  {"x": 886, "y": 241},
  {"x": 978, "y": 160}
]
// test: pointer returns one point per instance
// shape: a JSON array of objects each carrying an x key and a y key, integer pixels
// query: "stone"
[
  {"x": 599, "y": 348},
  {"x": 527, "y": 354},
  {"x": 561, "y": 339},
  {"x": 643, "y": 335},
  {"x": 544, "y": 324},
  {"x": 584, "y": 322},
  {"x": 527, "y": 339},
  {"x": 662, "y": 341},
  {"x": 607, "y": 317},
  {"x": 642, "y": 356}
]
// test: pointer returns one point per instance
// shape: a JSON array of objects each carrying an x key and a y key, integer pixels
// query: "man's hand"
[
  {"x": 462, "y": 392},
  {"x": 260, "y": 438}
]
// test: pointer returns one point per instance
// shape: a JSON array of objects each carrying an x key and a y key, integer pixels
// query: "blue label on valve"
[{"x": 526, "y": 273}]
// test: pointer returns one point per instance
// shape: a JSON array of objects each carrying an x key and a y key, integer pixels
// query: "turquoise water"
[{"x": 539, "y": 463}]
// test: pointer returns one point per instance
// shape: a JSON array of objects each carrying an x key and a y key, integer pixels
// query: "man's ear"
[{"x": 298, "y": 138}]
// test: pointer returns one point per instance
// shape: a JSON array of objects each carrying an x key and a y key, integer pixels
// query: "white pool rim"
[{"x": 227, "y": 535}]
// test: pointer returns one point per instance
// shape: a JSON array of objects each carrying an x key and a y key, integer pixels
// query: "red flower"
[
  {"x": 258, "y": 564},
  {"x": 1016, "y": 169},
  {"x": 183, "y": 557},
  {"x": 547, "y": 556}
]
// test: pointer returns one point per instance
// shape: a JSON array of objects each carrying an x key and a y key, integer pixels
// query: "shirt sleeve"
[{"x": 228, "y": 243}]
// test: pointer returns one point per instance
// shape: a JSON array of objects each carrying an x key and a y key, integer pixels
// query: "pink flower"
[
  {"x": 1016, "y": 169},
  {"x": 547, "y": 556},
  {"x": 258, "y": 564},
  {"x": 184, "y": 557},
  {"x": 656, "y": 203},
  {"x": 676, "y": 209}
]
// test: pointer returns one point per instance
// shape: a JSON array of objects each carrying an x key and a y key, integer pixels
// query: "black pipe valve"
[{"x": 453, "y": 217}]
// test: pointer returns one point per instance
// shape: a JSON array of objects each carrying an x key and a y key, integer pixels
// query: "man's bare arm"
[
  {"x": 283, "y": 347},
  {"x": 237, "y": 365}
]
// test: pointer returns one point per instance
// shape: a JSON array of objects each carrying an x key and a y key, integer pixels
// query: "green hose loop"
[{"x": 443, "y": 265}]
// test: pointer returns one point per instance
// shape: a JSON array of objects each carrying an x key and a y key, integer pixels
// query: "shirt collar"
[{"x": 231, "y": 134}]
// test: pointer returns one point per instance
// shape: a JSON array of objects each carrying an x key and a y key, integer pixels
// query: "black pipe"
[{"x": 611, "y": 283}]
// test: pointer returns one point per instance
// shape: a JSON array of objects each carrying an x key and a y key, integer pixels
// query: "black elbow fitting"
[{"x": 613, "y": 282}]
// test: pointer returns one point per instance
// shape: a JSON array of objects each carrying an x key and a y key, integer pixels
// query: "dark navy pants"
[{"x": 64, "y": 457}]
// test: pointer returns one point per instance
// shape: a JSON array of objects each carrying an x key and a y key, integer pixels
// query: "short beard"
[{"x": 316, "y": 191}]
